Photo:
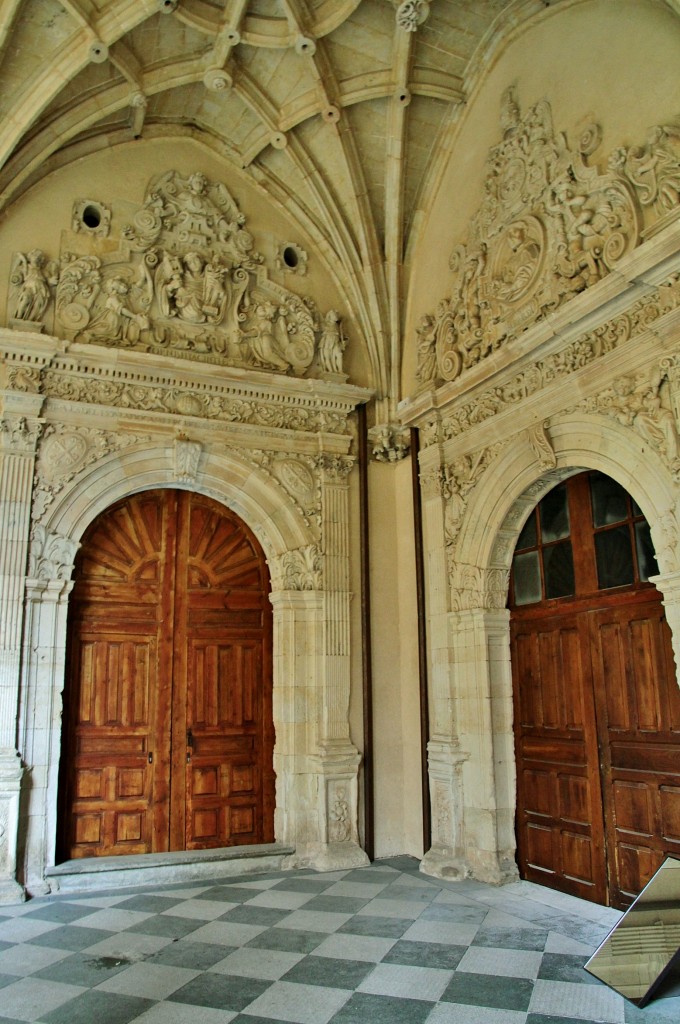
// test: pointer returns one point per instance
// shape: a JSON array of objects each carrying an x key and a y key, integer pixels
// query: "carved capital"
[
  {"x": 335, "y": 467},
  {"x": 19, "y": 434},
  {"x": 51, "y": 556},
  {"x": 299, "y": 569},
  {"x": 411, "y": 14},
  {"x": 474, "y": 588}
]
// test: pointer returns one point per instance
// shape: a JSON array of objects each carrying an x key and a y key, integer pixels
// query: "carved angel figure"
[
  {"x": 332, "y": 343},
  {"x": 32, "y": 279},
  {"x": 653, "y": 420},
  {"x": 426, "y": 332}
]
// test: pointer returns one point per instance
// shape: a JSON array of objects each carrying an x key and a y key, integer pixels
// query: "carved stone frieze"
[
  {"x": 299, "y": 569},
  {"x": 51, "y": 556},
  {"x": 459, "y": 479},
  {"x": 20, "y": 434},
  {"x": 642, "y": 402},
  {"x": 549, "y": 226},
  {"x": 215, "y": 403},
  {"x": 389, "y": 442},
  {"x": 298, "y": 476},
  {"x": 184, "y": 281},
  {"x": 582, "y": 352},
  {"x": 339, "y": 822},
  {"x": 64, "y": 452},
  {"x": 474, "y": 588}
]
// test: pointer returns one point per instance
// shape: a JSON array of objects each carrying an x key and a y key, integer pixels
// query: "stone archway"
[{"x": 471, "y": 752}]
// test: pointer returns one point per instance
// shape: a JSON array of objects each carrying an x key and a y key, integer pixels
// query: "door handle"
[{"x": 151, "y": 757}]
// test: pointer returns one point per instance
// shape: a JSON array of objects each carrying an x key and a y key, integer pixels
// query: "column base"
[
  {"x": 446, "y": 864},
  {"x": 11, "y": 892},
  {"x": 331, "y": 857}
]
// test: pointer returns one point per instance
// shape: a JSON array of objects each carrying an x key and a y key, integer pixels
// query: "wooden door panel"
[{"x": 170, "y": 682}]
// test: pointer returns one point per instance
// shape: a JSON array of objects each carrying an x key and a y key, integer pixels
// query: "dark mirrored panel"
[
  {"x": 609, "y": 500},
  {"x": 554, "y": 512},
  {"x": 643, "y": 949}
]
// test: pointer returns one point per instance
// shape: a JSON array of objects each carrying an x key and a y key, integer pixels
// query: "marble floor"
[{"x": 377, "y": 945}]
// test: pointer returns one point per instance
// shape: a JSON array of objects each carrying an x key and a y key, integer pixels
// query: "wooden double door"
[
  {"x": 168, "y": 731},
  {"x": 597, "y": 704}
]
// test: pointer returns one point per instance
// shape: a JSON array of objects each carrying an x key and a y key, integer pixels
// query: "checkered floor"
[{"x": 377, "y": 945}]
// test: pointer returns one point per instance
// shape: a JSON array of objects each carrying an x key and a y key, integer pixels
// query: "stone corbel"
[{"x": 389, "y": 442}]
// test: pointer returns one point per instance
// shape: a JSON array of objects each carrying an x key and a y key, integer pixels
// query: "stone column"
[{"x": 19, "y": 433}]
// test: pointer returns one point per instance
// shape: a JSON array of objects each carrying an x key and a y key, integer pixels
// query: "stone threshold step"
[{"x": 87, "y": 874}]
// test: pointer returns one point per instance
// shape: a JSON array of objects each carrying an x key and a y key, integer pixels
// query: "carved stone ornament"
[
  {"x": 541, "y": 444},
  {"x": 51, "y": 556},
  {"x": 64, "y": 452},
  {"x": 297, "y": 475},
  {"x": 577, "y": 354},
  {"x": 642, "y": 402},
  {"x": 549, "y": 226},
  {"x": 412, "y": 13},
  {"x": 339, "y": 823},
  {"x": 301, "y": 569},
  {"x": 389, "y": 442},
  {"x": 187, "y": 458},
  {"x": 184, "y": 280},
  {"x": 458, "y": 481}
]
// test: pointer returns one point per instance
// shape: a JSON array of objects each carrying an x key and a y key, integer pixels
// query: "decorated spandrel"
[{"x": 182, "y": 279}]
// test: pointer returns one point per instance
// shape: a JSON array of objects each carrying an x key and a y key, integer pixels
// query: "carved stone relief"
[
  {"x": 339, "y": 823},
  {"x": 539, "y": 439},
  {"x": 297, "y": 475},
  {"x": 63, "y": 452},
  {"x": 474, "y": 588},
  {"x": 20, "y": 434},
  {"x": 184, "y": 280},
  {"x": 642, "y": 402},
  {"x": 458, "y": 481},
  {"x": 549, "y": 226},
  {"x": 389, "y": 442},
  {"x": 187, "y": 458},
  {"x": 577, "y": 354}
]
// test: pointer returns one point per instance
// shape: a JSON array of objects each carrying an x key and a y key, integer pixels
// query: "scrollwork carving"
[
  {"x": 32, "y": 280},
  {"x": 458, "y": 481},
  {"x": 541, "y": 444}
]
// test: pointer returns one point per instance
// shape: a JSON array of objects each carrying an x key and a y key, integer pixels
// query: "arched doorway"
[
  {"x": 596, "y": 702},
  {"x": 168, "y": 731}
]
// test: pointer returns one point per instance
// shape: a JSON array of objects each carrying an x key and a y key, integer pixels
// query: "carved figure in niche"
[
  {"x": 332, "y": 343},
  {"x": 115, "y": 320},
  {"x": 191, "y": 289},
  {"x": 426, "y": 332},
  {"x": 266, "y": 346},
  {"x": 653, "y": 420},
  {"x": 32, "y": 279}
]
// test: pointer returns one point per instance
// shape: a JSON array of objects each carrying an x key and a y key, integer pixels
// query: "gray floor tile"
[
  {"x": 508, "y": 963},
  {"x": 409, "y": 982},
  {"x": 287, "y": 939},
  {"x": 303, "y": 1004},
  {"x": 62, "y": 912},
  {"x": 129, "y": 946},
  {"x": 84, "y": 969},
  {"x": 316, "y": 970},
  {"x": 457, "y": 933},
  {"x": 24, "y": 959},
  {"x": 199, "y": 956},
  {"x": 201, "y": 909},
  {"x": 171, "y": 926},
  {"x": 365, "y": 890},
  {"x": 313, "y": 885},
  {"x": 314, "y": 920},
  {"x": 266, "y": 964},
  {"x": 151, "y": 902},
  {"x": 104, "y": 1007},
  {"x": 362, "y": 1007},
  {"x": 428, "y": 954},
  {"x": 337, "y": 903},
  {"x": 585, "y": 1002},
  {"x": 487, "y": 990},
  {"x": 31, "y": 998},
  {"x": 111, "y": 919},
  {"x": 71, "y": 938},
  {"x": 460, "y": 1013},
  {"x": 510, "y": 938},
  {"x": 248, "y": 914},
  {"x": 368, "y": 948},
  {"x": 278, "y": 899},
  {"x": 150, "y": 981},
  {"x": 565, "y": 967},
  {"x": 227, "y": 934},
  {"x": 178, "y": 1013},
  {"x": 220, "y": 991},
  {"x": 18, "y": 929},
  {"x": 387, "y": 927}
]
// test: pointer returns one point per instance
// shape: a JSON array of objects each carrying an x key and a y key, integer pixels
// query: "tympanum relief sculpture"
[
  {"x": 549, "y": 226},
  {"x": 185, "y": 280}
]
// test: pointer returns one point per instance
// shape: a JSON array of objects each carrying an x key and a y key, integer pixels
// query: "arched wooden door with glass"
[{"x": 597, "y": 705}]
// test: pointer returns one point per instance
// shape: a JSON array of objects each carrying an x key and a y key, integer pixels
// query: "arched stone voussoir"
[
  {"x": 224, "y": 476},
  {"x": 517, "y": 479}
]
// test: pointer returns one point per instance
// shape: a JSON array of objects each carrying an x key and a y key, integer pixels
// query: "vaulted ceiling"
[{"x": 340, "y": 110}]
